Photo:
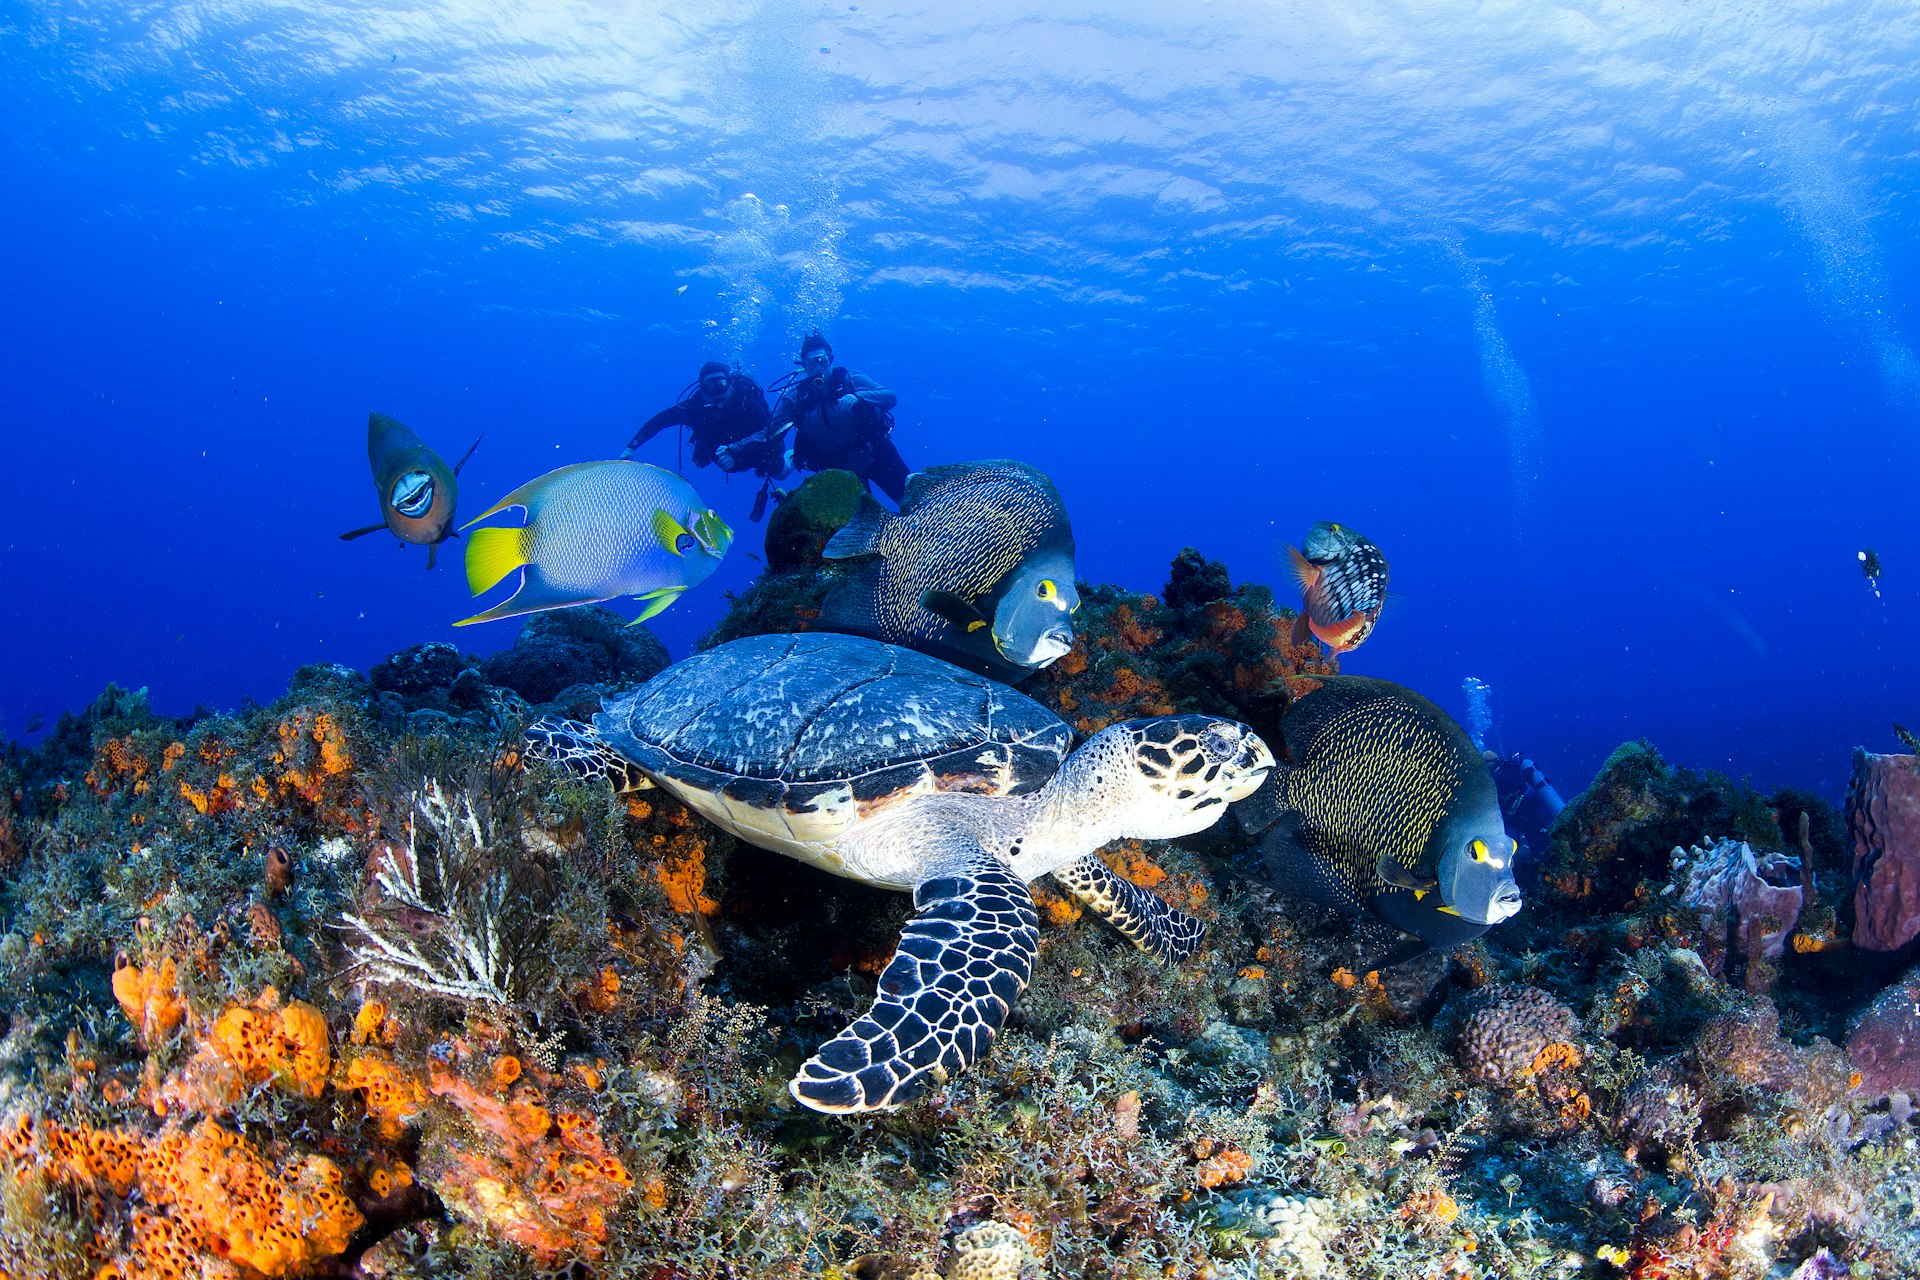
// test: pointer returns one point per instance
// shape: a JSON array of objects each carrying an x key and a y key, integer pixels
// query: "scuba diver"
[
  {"x": 723, "y": 407},
  {"x": 831, "y": 418}
]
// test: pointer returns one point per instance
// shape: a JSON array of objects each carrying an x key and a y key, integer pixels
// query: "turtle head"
[{"x": 1180, "y": 773}]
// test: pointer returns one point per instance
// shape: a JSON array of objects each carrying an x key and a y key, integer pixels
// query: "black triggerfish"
[
  {"x": 416, "y": 487},
  {"x": 1384, "y": 805},
  {"x": 977, "y": 568}
]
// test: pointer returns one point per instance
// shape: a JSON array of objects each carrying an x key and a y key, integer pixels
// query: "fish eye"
[
  {"x": 1479, "y": 848},
  {"x": 1047, "y": 590}
]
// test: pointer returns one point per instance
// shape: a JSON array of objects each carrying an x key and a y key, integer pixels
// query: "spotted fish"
[
  {"x": 1385, "y": 806},
  {"x": 416, "y": 487},
  {"x": 1343, "y": 582},
  {"x": 977, "y": 568},
  {"x": 596, "y": 531}
]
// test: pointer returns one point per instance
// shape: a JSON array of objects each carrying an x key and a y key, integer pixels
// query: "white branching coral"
[{"x": 427, "y": 937}]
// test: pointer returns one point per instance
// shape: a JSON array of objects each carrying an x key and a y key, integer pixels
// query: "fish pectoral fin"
[
  {"x": 1305, "y": 571},
  {"x": 361, "y": 533},
  {"x": 657, "y": 603},
  {"x": 947, "y": 605},
  {"x": 1446, "y": 910},
  {"x": 494, "y": 553},
  {"x": 1399, "y": 877},
  {"x": 667, "y": 531},
  {"x": 1302, "y": 634},
  {"x": 433, "y": 551}
]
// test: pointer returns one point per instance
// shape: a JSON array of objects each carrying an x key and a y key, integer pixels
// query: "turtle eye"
[
  {"x": 1047, "y": 590},
  {"x": 1479, "y": 848}
]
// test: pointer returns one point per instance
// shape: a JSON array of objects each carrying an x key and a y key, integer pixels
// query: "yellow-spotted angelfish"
[
  {"x": 416, "y": 486},
  {"x": 1343, "y": 585},
  {"x": 596, "y": 531},
  {"x": 1384, "y": 805},
  {"x": 977, "y": 568}
]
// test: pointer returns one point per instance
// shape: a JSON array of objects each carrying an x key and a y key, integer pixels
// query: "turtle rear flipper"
[
  {"x": 579, "y": 750},
  {"x": 963, "y": 959},
  {"x": 1147, "y": 922}
]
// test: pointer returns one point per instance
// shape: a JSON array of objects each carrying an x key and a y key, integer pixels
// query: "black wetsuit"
[
  {"x": 743, "y": 413},
  {"x": 830, "y": 434}
]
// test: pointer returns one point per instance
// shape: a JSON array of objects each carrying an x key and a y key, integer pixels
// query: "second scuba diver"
[
  {"x": 835, "y": 419},
  {"x": 724, "y": 408}
]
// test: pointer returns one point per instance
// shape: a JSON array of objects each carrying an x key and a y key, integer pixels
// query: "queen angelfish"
[
  {"x": 977, "y": 568},
  {"x": 1343, "y": 585},
  {"x": 596, "y": 531},
  {"x": 416, "y": 487},
  {"x": 1384, "y": 806}
]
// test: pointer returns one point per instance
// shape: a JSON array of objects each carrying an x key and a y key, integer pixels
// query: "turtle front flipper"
[
  {"x": 1147, "y": 922},
  {"x": 579, "y": 749},
  {"x": 963, "y": 959}
]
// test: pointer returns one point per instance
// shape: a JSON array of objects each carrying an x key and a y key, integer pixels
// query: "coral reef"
[
  {"x": 342, "y": 986},
  {"x": 1883, "y": 836}
]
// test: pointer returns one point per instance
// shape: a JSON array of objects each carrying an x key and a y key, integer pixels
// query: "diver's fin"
[
  {"x": 861, "y": 535},
  {"x": 1294, "y": 865},
  {"x": 668, "y": 531},
  {"x": 659, "y": 600},
  {"x": 361, "y": 533},
  {"x": 1399, "y": 877},
  {"x": 469, "y": 453},
  {"x": 492, "y": 554},
  {"x": 530, "y": 494},
  {"x": 955, "y": 610}
]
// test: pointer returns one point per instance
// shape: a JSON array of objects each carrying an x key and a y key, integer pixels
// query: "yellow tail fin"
[{"x": 492, "y": 554}]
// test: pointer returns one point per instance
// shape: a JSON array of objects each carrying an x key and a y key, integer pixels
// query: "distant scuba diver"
[
  {"x": 416, "y": 487},
  {"x": 831, "y": 418},
  {"x": 1529, "y": 802},
  {"x": 722, "y": 407}
]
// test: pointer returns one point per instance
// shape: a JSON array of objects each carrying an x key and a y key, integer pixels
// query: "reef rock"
[
  {"x": 565, "y": 647},
  {"x": 1883, "y": 835},
  {"x": 1885, "y": 1041},
  {"x": 798, "y": 529}
]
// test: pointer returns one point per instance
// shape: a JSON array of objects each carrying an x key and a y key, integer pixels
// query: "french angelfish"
[
  {"x": 977, "y": 568},
  {"x": 416, "y": 487},
  {"x": 596, "y": 531},
  {"x": 1384, "y": 806},
  {"x": 1343, "y": 583}
]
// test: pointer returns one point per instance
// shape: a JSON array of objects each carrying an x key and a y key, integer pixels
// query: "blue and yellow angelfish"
[{"x": 596, "y": 531}]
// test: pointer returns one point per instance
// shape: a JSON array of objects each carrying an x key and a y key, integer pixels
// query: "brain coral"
[{"x": 1515, "y": 1032}]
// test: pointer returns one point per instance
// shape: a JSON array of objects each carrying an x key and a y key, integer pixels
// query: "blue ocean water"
[{"x": 1599, "y": 318}]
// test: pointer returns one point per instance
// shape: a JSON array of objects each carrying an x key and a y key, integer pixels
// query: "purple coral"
[
  {"x": 1508, "y": 1036},
  {"x": 1883, "y": 833},
  {"x": 1750, "y": 899},
  {"x": 1885, "y": 1043}
]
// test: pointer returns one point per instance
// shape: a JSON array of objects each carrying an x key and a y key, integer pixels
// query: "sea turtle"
[{"x": 895, "y": 768}]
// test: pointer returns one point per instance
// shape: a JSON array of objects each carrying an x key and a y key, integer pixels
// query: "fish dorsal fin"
[
  {"x": 947, "y": 605},
  {"x": 668, "y": 531},
  {"x": 862, "y": 535},
  {"x": 924, "y": 481},
  {"x": 1305, "y": 571},
  {"x": 1309, "y": 715},
  {"x": 469, "y": 453},
  {"x": 1393, "y": 873},
  {"x": 532, "y": 494}
]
